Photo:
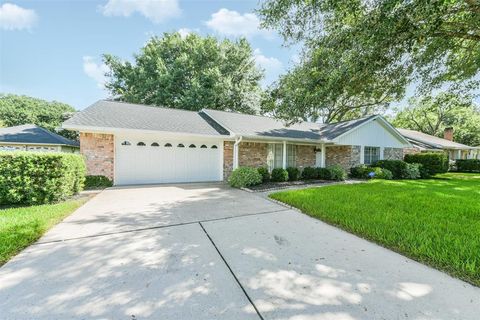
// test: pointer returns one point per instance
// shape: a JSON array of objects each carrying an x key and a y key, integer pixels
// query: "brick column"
[{"x": 98, "y": 150}]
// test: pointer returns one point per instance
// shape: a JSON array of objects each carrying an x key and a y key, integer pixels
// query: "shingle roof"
[
  {"x": 260, "y": 126},
  {"x": 113, "y": 114},
  {"x": 30, "y": 133},
  {"x": 432, "y": 141}
]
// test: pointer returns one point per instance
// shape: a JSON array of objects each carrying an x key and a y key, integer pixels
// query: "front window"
[
  {"x": 371, "y": 155},
  {"x": 275, "y": 156}
]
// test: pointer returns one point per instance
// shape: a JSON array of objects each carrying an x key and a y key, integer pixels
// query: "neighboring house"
[
  {"x": 30, "y": 137},
  {"x": 423, "y": 142},
  {"x": 136, "y": 144}
]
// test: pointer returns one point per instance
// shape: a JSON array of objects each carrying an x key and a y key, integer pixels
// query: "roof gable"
[{"x": 32, "y": 134}]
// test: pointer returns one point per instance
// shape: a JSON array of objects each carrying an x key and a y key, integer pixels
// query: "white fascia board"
[
  {"x": 280, "y": 139},
  {"x": 37, "y": 144},
  {"x": 108, "y": 130}
]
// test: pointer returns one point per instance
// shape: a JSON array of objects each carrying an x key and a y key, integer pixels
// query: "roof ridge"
[{"x": 149, "y": 106}]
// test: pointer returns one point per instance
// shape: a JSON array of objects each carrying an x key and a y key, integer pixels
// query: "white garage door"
[{"x": 144, "y": 160}]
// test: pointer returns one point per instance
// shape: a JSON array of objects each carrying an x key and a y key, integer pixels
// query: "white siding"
[{"x": 373, "y": 134}]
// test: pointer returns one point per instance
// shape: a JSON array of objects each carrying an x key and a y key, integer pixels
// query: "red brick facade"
[
  {"x": 345, "y": 156},
  {"x": 98, "y": 150}
]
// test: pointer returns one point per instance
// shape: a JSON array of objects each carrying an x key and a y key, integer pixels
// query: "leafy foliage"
[
  {"x": 432, "y": 114},
  {"x": 16, "y": 110},
  {"x": 432, "y": 162},
  {"x": 39, "y": 178},
  {"x": 468, "y": 165},
  {"x": 337, "y": 173},
  {"x": 398, "y": 168},
  {"x": 293, "y": 173},
  {"x": 412, "y": 171},
  {"x": 381, "y": 45},
  {"x": 279, "y": 175},
  {"x": 97, "y": 182},
  {"x": 244, "y": 177},
  {"x": 265, "y": 174},
  {"x": 365, "y": 172},
  {"x": 191, "y": 72},
  {"x": 309, "y": 173}
]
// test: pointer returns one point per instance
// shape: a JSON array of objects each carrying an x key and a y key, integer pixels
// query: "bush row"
[
  {"x": 247, "y": 176},
  {"x": 468, "y": 165},
  {"x": 39, "y": 178},
  {"x": 97, "y": 182},
  {"x": 432, "y": 162}
]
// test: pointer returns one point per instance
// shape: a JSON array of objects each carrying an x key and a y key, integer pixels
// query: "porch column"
[
  {"x": 323, "y": 155},
  {"x": 235, "y": 152},
  {"x": 284, "y": 163},
  {"x": 459, "y": 154}
]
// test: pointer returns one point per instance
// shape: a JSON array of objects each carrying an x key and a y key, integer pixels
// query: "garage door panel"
[{"x": 162, "y": 164}]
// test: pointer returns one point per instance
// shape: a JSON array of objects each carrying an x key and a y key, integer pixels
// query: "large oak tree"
[
  {"x": 369, "y": 51},
  {"x": 190, "y": 72}
]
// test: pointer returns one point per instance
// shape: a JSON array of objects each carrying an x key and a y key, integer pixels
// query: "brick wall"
[
  {"x": 410, "y": 151},
  {"x": 345, "y": 156},
  {"x": 98, "y": 150},
  {"x": 393, "y": 153},
  {"x": 227, "y": 159},
  {"x": 253, "y": 154},
  {"x": 305, "y": 156}
]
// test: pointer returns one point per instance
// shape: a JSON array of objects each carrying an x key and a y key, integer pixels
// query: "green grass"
[
  {"x": 19, "y": 227},
  {"x": 434, "y": 221}
]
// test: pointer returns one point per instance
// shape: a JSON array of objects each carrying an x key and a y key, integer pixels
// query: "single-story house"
[
  {"x": 29, "y": 137},
  {"x": 138, "y": 144},
  {"x": 422, "y": 142}
]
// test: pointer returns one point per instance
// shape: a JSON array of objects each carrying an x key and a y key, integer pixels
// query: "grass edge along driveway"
[
  {"x": 22, "y": 226},
  {"x": 435, "y": 221}
]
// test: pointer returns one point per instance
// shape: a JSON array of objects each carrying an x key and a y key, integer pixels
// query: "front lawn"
[
  {"x": 19, "y": 227},
  {"x": 434, "y": 221}
]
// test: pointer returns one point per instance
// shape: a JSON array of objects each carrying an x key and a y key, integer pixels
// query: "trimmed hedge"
[
  {"x": 97, "y": 182},
  {"x": 244, "y": 177},
  {"x": 293, "y": 173},
  {"x": 468, "y": 165},
  {"x": 398, "y": 168},
  {"x": 309, "y": 173},
  {"x": 264, "y": 173},
  {"x": 279, "y": 175},
  {"x": 432, "y": 162},
  {"x": 39, "y": 178},
  {"x": 337, "y": 173},
  {"x": 365, "y": 172}
]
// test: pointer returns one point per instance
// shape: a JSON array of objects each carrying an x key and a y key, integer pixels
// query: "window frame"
[{"x": 371, "y": 154}]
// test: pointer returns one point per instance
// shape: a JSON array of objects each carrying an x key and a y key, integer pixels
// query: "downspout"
[{"x": 235, "y": 152}]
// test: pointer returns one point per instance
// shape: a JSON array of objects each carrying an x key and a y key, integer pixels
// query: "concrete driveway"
[{"x": 205, "y": 251}]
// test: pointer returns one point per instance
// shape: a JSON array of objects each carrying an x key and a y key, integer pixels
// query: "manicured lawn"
[
  {"x": 19, "y": 227},
  {"x": 434, "y": 221}
]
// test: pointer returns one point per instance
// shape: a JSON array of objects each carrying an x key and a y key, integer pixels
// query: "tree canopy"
[
  {"x": 16, "y": 110},
  {"x": 432, "y": 114},
  {"x": 190, "y": 72},
  {"x": 369, "y": 51}
]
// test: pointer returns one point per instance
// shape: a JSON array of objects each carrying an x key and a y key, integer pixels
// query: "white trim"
[
  {"x": 382, "y": 153},
  {"x": 140, "y": 131},
  {"x": 37, "y": 144},
  {"x": 323, "y": 155},
  {"x": 284, "y": 155},
  {"x": 362, "y": 154},
  {"x": 236, "y": 147}
]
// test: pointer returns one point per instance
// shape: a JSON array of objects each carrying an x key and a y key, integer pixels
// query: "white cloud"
[
  {"x": 232, "y": 23},
  {"x": 186, "y": 31},
  {"x": 13, "y": 17},
  {"x": 95, "y": 70},
  {"x": 155, "y": 10},
  {"x": 272, "y": 66}
]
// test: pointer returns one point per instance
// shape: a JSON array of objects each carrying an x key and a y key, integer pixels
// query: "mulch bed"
[{"x": 282, "y": 185}]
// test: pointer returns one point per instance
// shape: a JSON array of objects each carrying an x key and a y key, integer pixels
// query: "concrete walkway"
[{"x": 205, "y": 251}]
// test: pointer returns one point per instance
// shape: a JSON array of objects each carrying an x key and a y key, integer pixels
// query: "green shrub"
[
  {"x": 468, "y": 165},
  {"x": 279, "y": 175},
  {"x": 39, "y": 178},
  {"x": 337, "y": 173},
  {"x": 359, "y": 172},
  {"x": 323, "y": 173},
  {"x": 412, "y": 171},
  {"x": 264, "y": 173},
  {"x": 309, "y": 173},
  {"x": 293, "y": 173},
  {"x": 365, "y": 172},
  {"x": 432, "y": 162},
  {"x": 244, "y": 177},
  {"x": 97, "y": 182},
  {"x": 398, "y": 168}
]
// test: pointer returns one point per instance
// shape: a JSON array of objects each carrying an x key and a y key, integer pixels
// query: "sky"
[{"x": 52, "y": 49}]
